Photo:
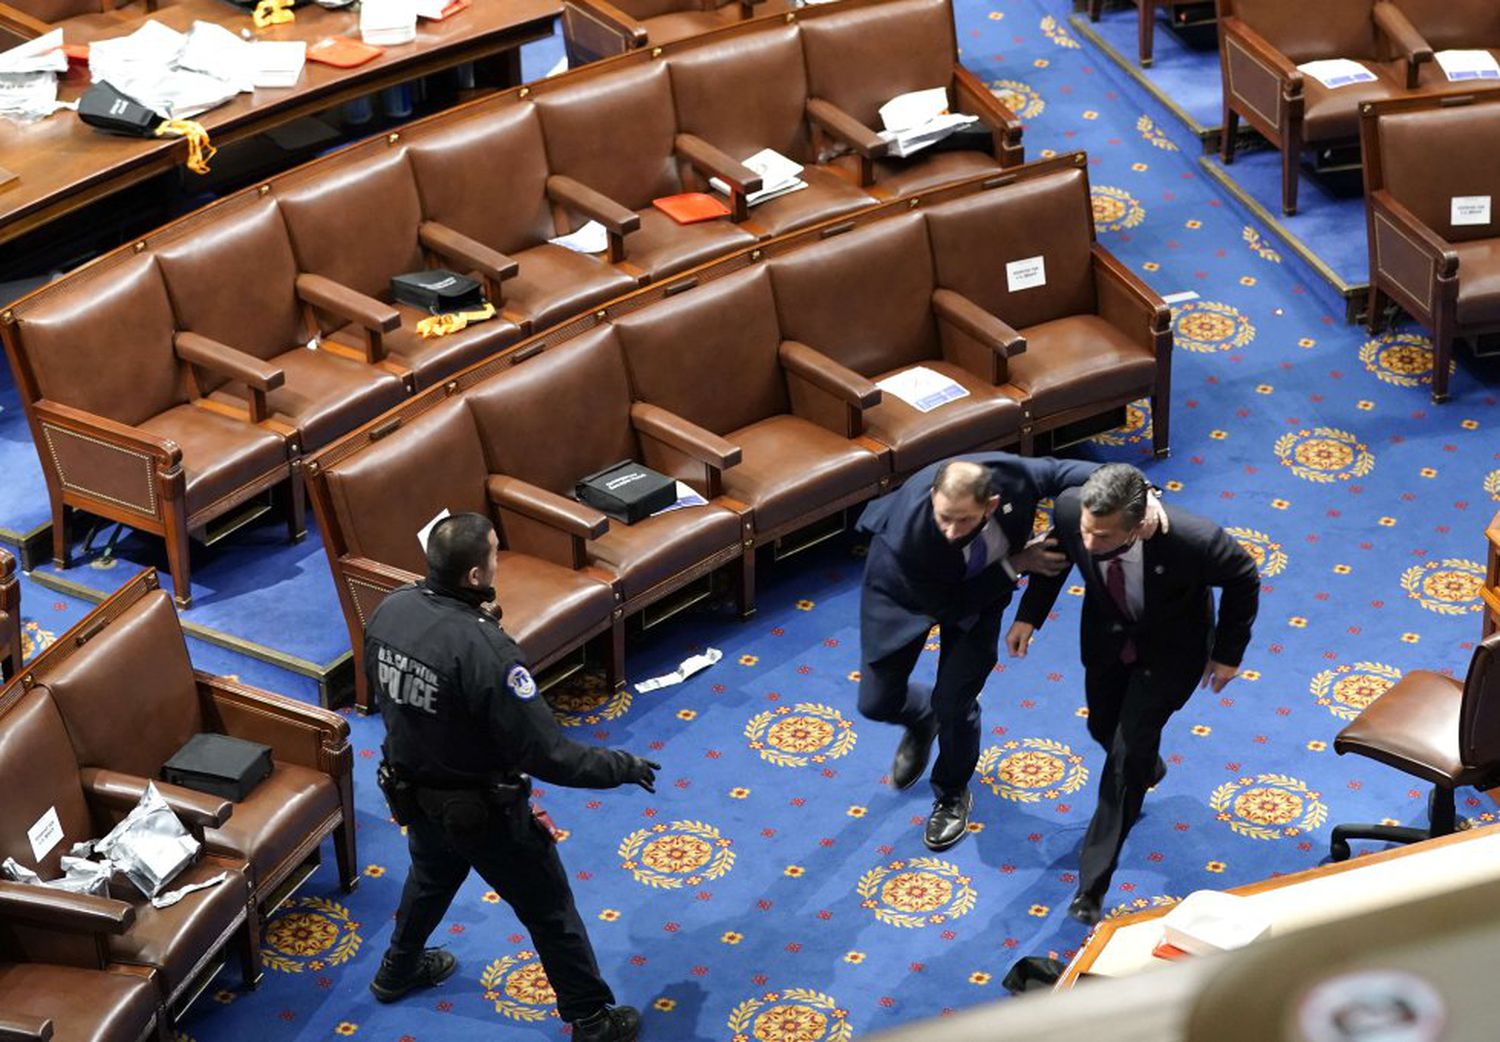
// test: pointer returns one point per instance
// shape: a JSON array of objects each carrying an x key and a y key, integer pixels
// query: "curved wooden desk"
[{"x": 62, "y": 165}]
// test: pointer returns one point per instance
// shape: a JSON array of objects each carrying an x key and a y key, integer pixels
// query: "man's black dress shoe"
[
  {"x": 948, "y": 821},
  {"x": 912, "y": 754},
  {"x": 1161, "y": 772},
  {"x": 1085, "y": 908}
]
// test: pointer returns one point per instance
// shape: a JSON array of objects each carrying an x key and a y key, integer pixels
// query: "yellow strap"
[
  {"x": 200, "y": 149},
  {"x": 442, "y": 325},
  {"x": 273, "y": 12}
]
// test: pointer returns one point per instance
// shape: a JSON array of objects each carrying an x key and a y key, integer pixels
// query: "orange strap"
[
  {"x": 200, "y": 149},
  {"x": 442, "y": 325}
]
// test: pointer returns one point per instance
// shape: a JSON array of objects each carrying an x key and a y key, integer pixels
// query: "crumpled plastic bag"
[
  {"x": 80, "y": 876},
  {"x": 150, "y": 845}
]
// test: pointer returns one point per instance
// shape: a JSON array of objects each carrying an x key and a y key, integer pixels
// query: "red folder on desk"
[{"x": 691, "y": 207}]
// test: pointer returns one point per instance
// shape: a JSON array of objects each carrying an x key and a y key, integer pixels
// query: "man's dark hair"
[
  {"x": 1116, "y": 488},
  {"x": 456, "y": 544},
  {"x": 958, "y": 477}
]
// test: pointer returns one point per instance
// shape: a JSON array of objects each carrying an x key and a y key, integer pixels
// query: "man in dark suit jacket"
[
  {"x": 1149, "y": 639},
  {"x": 948, "y": 548}
]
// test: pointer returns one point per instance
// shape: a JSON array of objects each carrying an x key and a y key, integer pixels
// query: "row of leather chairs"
[
  {"x": 82, "y": 729},
  {"x": 10, "y": 616},
  {"x": 1261, "y": 43},
  {"x": 168, "y": 384},
  {"x": 1423, "y": 158},
  {"x": 753, "y": 381}
]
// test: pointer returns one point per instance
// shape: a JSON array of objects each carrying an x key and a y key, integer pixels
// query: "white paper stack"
[
  {"x": 778, "y": 176},
  {"x": 1208, "y": 921},
  {"x": 1336, "y": 72},
  {"x": 922, "y": 388},
  {"x": 148, "y": 66},
  {"x": 430, "y": 9},
  {"x": 386, "y": 23},
  {"x": 593, "y": 237},
  {"x": 28, "y": 77},
  {"x": 919, "y": 118},
  {"x": 278, "y": 63},
  {"x": 1468, "y": 65}
]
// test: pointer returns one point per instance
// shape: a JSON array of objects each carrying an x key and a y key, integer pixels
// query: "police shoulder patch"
[{"x": 520, "y": 682}]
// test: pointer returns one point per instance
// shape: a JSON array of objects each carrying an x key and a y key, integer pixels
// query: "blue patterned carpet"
[{"x": 775, "y": 888}]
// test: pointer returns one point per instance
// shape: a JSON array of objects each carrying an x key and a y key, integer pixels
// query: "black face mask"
[
  {"x": 1118, "y": 551},
  {"x": 475, "y": 597}
]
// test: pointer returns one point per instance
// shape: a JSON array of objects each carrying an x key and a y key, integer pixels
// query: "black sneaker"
[
  {"x": 433, "y": 967},
  {"x": 610, "y": 1024}
]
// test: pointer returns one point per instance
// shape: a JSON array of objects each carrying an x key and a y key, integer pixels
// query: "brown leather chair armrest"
[
  {"x": 20, "y": 1027},
  {"x": 846, "y": 128},
  {"x": 1408, "y": 41},
  {"x": 121, "y": 791},
  {"x": 566, "y": 515},
  {"x": 688, "y": 438},
  {"x": 713, "y": 162},
  {"x": 375, "y": 317},
  {"x": 972, "y": 96},
  {"x": 297, "y": 733},
  {"x": 825, "y": 374},
  {"x": 1257, "y": 46},
  {"x": 376, "y": 574},
  {"x": 469, "y": 254},
  {"x": 973, "y": 338},
  {"x": 165, "y": 450},
  {"x": 1113, "y": 277},
  {"x": 7, "y": 564},
  {"x": 27, "y": 27},
  {"x": 63, "y": 910},
  {"x": 618, "y": 220},
  {"x": 614, "y": 19},
  {"x": 1437, "y": 249},
  {"x": 258, "y": 376}
]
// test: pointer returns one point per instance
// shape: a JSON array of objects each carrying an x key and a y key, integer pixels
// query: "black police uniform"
[{"x": 463, "y": 722}]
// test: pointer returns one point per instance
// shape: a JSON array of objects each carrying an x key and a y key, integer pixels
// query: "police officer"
[{"x": 464, "y": 727}]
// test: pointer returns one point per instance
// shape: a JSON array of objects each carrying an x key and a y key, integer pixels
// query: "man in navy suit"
[
  {"x": 1149, "y": 639},
  {"x": 947, "y": 549}
]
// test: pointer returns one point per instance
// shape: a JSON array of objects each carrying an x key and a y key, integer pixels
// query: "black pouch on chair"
[
  {"x": 974, "y": 138},
  {"x": 220, "y": 765},
  {"x": 400, "y": 794},
  {"x": 627, "y": 491},
  {"x": 437, "y": 290},
  {"x": 106, "y": 108}
]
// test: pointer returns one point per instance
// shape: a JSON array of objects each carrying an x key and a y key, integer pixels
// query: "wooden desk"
[
  {"x": 62, "y": 165},
  {"x": 1121, "y": 947}
]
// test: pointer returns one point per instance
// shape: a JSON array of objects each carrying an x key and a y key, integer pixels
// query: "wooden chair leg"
[
  {"x": 248, "y": 944},
  {"x": 1230, "y": 135},
  {"x": 1161, "y": 424},
  {"x": 1096, "y": 7},
  {"x": 1291, "y": 156},
  {"x": 614, "y": 668},
  {"x": 344, "y": 851},
  {"x": 746, "y": 590},
  {"x": 62, "y": 547},
  {"x": 1146, "y": 30},
  {"x": 178, "y": 551},
  {"x": 1375, "y": 305},
  {"x": 296, "y": 507},
  {"x": 1442, "y": 356}
]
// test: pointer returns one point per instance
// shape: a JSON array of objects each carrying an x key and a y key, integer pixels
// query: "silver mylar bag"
[{"x": 150, "y": 846}]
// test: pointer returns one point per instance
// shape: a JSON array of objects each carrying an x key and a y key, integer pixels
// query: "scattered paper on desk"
[
  {"x": 1468, "y": 65},
  {"x": 44, "y": 54},
  {"x": 778, "y": 176},
  {"x": 387, "y": 22},
  {"x": 1469, "y": 209},
  {"x": 278, "y": 63},
  {"x": 1208, "y": 921},
  {"x": 1028, "y": 273},
  {"x": 429, "y": 526},
  {"x": 1336, "y": 72},
  {"x": 215, "y": 51},
  {"x": 686, "y": 497},
  {"x": 922, "y": 388},
  {"x": 593, "y": 237},
  {"x": 689, "y": 666},
  {"x": 147, "y": 67},
  {"x": 28, "y": 96}
]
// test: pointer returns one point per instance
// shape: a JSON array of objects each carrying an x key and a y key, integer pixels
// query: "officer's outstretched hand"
[{"x": 641, "y": 771}]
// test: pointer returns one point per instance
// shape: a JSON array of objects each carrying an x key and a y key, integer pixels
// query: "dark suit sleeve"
[
  {"x": 1054, "y": 476},
  {"x": 1042, "y": 590},
  {"x": 1231, "y": 568}
]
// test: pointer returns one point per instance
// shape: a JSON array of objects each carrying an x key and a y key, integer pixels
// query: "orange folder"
[
  {"x": 691, "y": 207},
  {"x": 343, "y": 52}
]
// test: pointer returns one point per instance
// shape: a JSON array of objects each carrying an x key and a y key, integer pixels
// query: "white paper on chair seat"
[
  {"x": 686, "y": 497},
  {"x": 922, "y": 388},
  {"x": 778, "y": 176},
  {"x": 1468, "y": 65},
  {"x": 1336, "y": 72},
  {"x": 912, "y": 109},
  {"x": 1469, "y": 209},
  {"x": 593, "y": 237},
  {"x": 1208, "y": 921}
]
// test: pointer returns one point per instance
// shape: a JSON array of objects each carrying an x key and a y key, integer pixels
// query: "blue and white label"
[{"x": 520, "y": 682}]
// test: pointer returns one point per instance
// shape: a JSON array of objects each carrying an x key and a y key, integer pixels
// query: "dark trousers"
[
  {"x": 1128, "y": 707},
  {"x": 965, "y": 659},
  {"x": 516, "y": 856}
]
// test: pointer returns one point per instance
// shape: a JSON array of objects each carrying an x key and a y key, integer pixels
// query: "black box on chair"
[
  {"x": 219, "y": 765},
  {"x": 627, "y": 491},
  {"x": 438, "y": 291}
]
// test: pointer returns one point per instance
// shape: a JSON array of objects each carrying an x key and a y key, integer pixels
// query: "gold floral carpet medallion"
[
  {"x": 682, "y": 853},
  {"x": 922, "y": 891},
  {"x": 790, "y": 1015},
  {"x": 588, "y": 702},
  {"x": 1324, "y": 454},
  {"x": 1268, "y": 806},
  {"x": 1029, "y": 770},
  {"x": 1346, "y": 690},
  {"x": 1449, "y": 587},
  {"x": 519, "y": 988},
  {"x": 801, "y": 734},
  {"x": 1206, "y": 326},
  {"x": 1115, "y": 209},
  {"x": 309, "y": 933},
  {"x": 1269, "y": 557}
]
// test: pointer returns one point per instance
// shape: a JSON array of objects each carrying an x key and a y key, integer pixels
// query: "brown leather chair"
[
  {"x": 716, "y": 359},
  {"x": 867, "y": 300},
  {"x": 913, "y": 45},
  {"x": 552, "y": 605},
  {"x": 1436, "y": 728},
  {"x": 176, "y": 947},
  {"x": 22, "y": 20},
  {"x": 485, "y": 177},
  {"x": 356, "y": 220},
  {"x": 615, "y": 134},
  {"x": 1096, "y": 337},
  {"x": 1146, "y": 21},
  {"x": 1457, "y": 25},
  {"x": 1261, "y": 43},
  {"x": 1419, "y": 155},
  {"x": 123, "y": 430},
  {"x": 130, "y": 699},
  {"x": 44, "y": 1001},
  {"x": 594, "y": 29},
  {"x": 744, "y": 92},
  {"x": 1490, "y": 591},
  {"x": 10, "y": 617},
  {"x": 235, "y": 291},
  {"x": 533, "y": 472}
]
